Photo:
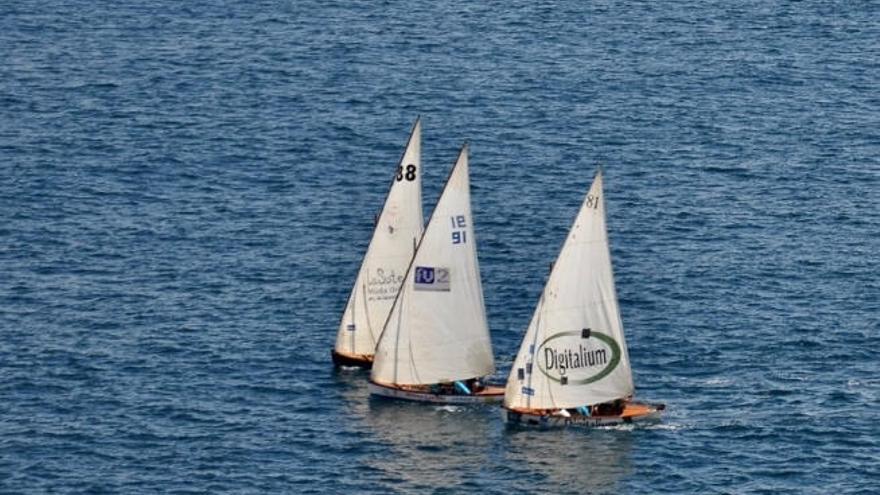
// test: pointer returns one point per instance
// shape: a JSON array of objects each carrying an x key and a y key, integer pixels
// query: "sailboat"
[
  {"x": 573, "y": 366},
  {"x": 398, "y": 227},
  {"x": 435, "y": 345}
]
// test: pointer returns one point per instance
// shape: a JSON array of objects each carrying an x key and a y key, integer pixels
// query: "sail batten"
[
  {"x": 437, "y": 329},
  {"x": 381, "y": 272},
  {"x": 574, "y": 352}
]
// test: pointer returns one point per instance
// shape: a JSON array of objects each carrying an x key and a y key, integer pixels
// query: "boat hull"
[
  {"x": 352, "y": 360},
  {"x": 634, "y": 412},
  {"x": 488, "y": 395}
]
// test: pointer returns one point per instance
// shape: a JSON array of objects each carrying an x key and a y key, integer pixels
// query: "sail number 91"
[
  {"x": 409, "y": 173},
  {"x": 459, "y": 229}
]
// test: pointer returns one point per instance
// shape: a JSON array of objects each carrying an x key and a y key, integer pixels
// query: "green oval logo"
[{"x": 559, "y": 361}]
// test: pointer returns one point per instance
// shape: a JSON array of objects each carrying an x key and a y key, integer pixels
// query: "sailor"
[{"x": 475, "y": 385}]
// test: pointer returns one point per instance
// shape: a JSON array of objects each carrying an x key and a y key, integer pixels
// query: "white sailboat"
[
  {"x": 398, "y": 228},
  {"x": 573, "y": 365},
  {"x": 435, "y": 346}
]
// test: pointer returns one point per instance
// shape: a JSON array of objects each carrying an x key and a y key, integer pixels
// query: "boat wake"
[
  {"x": 448, "y": 408},
  {"x": 648, "y": 425}
]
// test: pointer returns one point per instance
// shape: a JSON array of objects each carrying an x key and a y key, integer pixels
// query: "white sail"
[
  {"x": 574, "y": 352},
  {"x": 437, "y": 329},
  {"x": 398, "y": 228}
]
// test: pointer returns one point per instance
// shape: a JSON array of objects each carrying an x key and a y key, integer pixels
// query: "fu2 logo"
[{"x": 409, "y": 175}]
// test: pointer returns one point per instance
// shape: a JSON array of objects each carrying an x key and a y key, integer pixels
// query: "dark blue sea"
[{"x": 187, "y": 188}]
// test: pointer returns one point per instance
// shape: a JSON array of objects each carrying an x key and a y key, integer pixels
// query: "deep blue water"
[{"x": 186, "y": 189}]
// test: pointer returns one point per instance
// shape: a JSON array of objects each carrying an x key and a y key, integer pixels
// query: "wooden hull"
[
  {"x": 354, "y": 360},
  {"x": 634, "y": 412},
  {"x": 488, "y": 395}
]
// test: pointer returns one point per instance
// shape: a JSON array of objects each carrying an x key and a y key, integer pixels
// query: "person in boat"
[
  {"x": 474, "y": 385},
  {"x": 450, "y": 388},
  {"x": 581, "y": 411},
  {"x": 603, "y": 409},
  {"x": 614, "y": 408},
  {"x": 447, "y": 388}
]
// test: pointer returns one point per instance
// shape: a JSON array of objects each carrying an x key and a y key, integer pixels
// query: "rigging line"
[
  {"x": 553, "y": 268},
  {"x": 614, "y": 299},
  {"x": 400, "y": 164},
  {"x": 532, "y": 355},
  {"x": 385, "y": 203},
  {"x": 412, "y": 260},
  {"x": 353, "y": 322},
  {"x": 412, "y": 364},
  {"x": 367, "y": 314},
  {"x": 397, "y": 335},
  {"x": 479, "y": 278}
]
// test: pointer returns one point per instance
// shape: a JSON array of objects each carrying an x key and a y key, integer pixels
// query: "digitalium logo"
[{"x": 578, "y": 357}]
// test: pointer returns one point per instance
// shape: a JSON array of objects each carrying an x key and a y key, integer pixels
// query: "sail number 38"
[{"x": 409, "y": 173}]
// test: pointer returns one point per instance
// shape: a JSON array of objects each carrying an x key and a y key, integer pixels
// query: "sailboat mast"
[
  {"x": 387, "y": 253},
  {"x": 416, "y": 247}
]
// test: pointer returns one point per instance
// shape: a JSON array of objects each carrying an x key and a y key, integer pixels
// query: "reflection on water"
[
  {"x": 459, "y": 448},
  {"x": 572, "y": 459},
  {"x": 432, "y": 445},
  {"x": 352, "y": 385}
]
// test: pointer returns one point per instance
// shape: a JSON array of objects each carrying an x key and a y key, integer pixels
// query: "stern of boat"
[{"x": 351, "y": 360}]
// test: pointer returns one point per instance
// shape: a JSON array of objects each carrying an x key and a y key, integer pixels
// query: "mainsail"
[
  {"x": 574, "y": 352},
  {"x": 398, "y": 228},
  {"x": 437, "y": 329}
]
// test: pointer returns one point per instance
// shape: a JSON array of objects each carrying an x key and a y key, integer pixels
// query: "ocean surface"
[{"x": 187, "y": 188}]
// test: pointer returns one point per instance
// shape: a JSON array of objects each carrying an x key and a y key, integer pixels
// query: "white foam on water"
[{"x": 449, "y": 408}]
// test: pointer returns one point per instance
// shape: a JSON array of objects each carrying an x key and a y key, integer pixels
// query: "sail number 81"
[{"x": 409, "y": 174}]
